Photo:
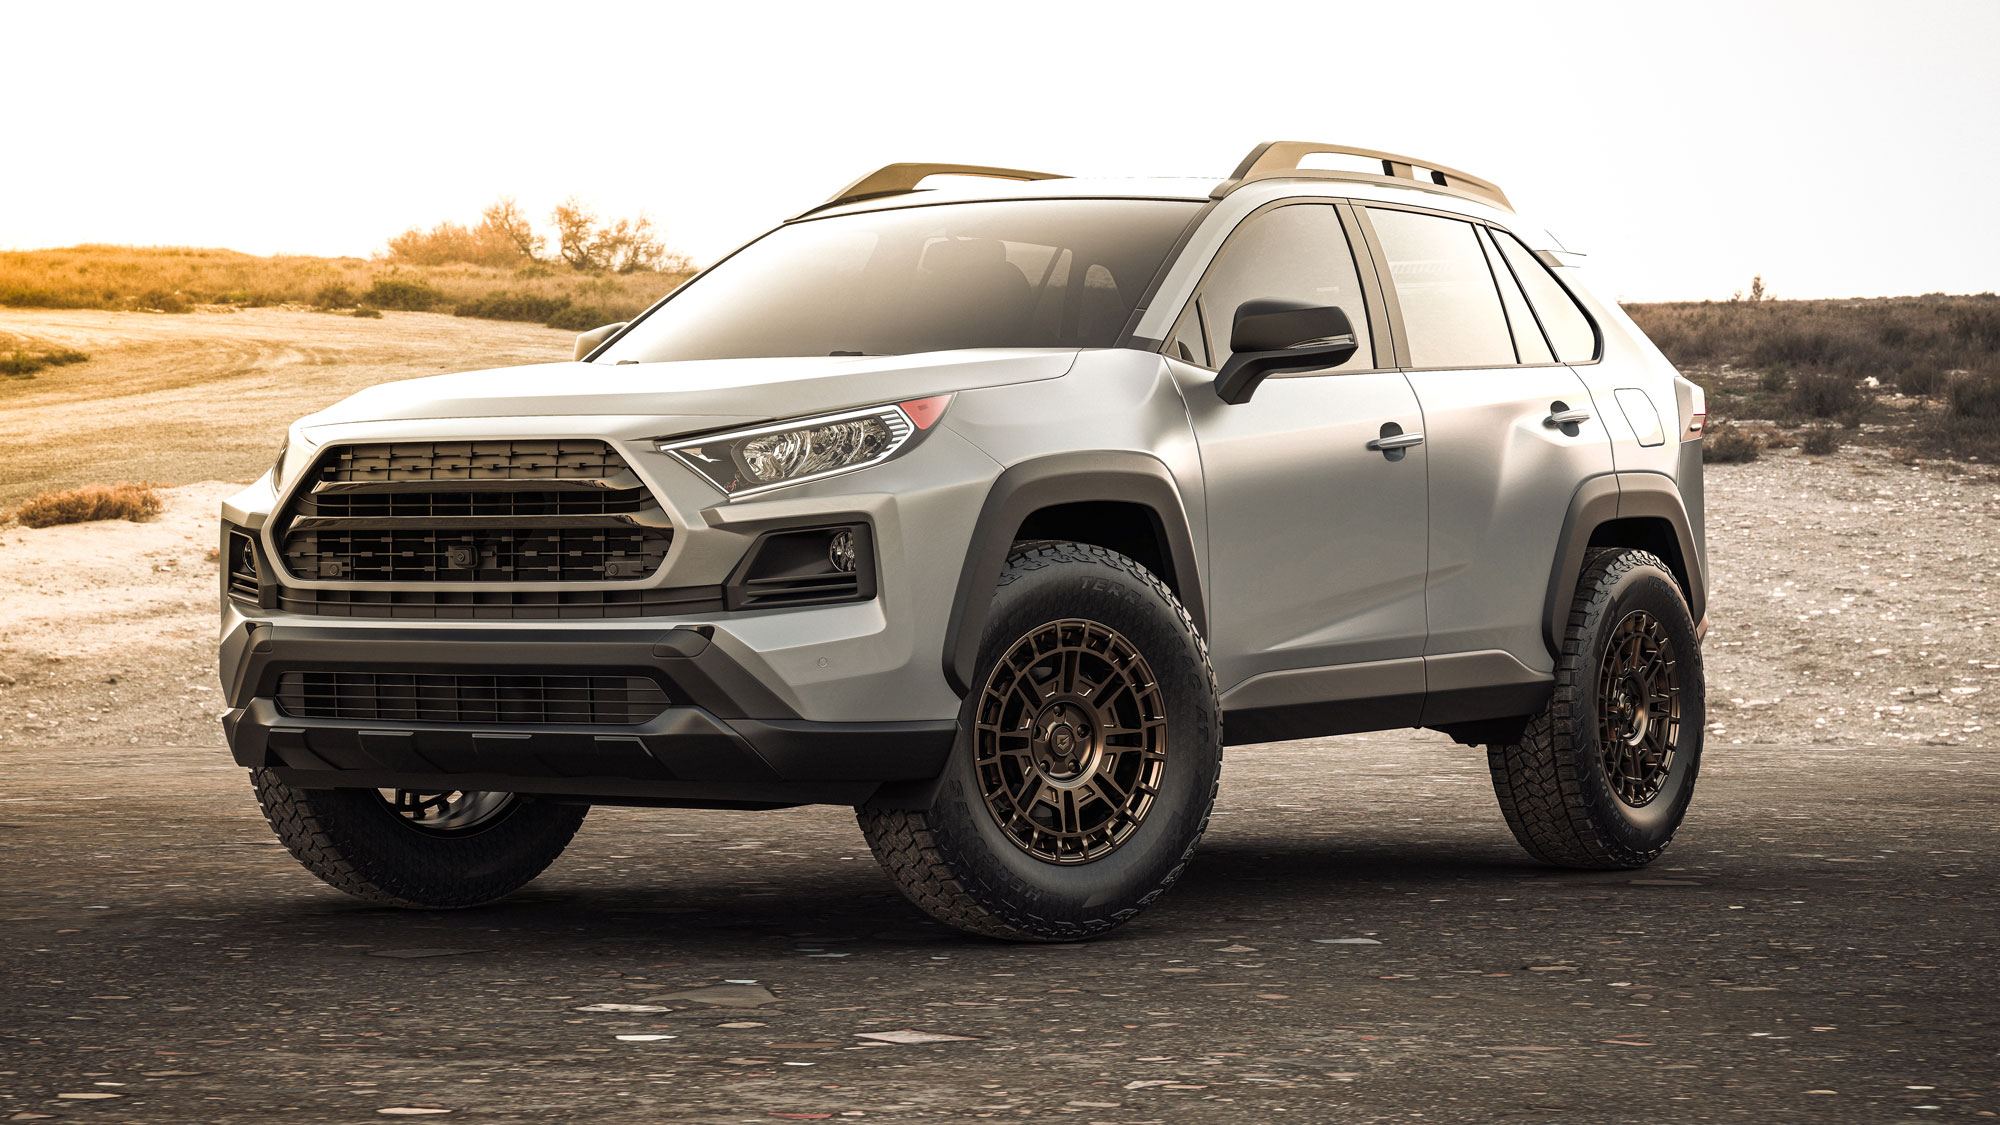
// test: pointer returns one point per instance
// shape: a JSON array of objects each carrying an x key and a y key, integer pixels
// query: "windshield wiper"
[{"x": 858, "y": 353}]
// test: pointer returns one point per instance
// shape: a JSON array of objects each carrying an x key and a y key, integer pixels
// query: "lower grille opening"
[
  {"x": 501, "y": 605},
  {"x": 499, "y": 697}
]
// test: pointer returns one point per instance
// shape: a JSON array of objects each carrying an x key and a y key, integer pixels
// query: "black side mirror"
[
  {"x": 586, "y": 342},
  {"x": 1271, "y": 335}
]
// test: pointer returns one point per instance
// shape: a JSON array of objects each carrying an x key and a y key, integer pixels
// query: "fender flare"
[
  {"x": 1024, "y": 488},
  {"x": 1598, "y": 501}
]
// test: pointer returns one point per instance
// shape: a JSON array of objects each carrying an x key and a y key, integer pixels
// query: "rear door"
[
  {"x": 1316, "y": 542},
  {"x": 1509, "y": 434}
]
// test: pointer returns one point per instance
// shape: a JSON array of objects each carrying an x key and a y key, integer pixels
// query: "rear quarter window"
[{"x": 1569, "y": 330}]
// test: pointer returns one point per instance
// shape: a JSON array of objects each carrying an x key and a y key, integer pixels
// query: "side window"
[
  {"x": 1528, "y": 341},
  {"x": 1451, "y": 306},
  {"x": 1569, "y": 329},
  {"x": 1297, "y": 252}
]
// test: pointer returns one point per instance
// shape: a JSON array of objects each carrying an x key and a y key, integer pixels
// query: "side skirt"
[{"x": 1472, "y": 696}]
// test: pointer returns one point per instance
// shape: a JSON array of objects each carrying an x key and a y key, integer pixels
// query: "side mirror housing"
[
  {"x": 1272, "y": 335},
  {"x": 586, "y": 342}
]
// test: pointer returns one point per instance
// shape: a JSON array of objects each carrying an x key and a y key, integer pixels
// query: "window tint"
[
  {"x": 1296, "y": 253},
  {"x": 1528, "y": 342},
  {"x": 1569, "y": 330},
  {"x": 1451, "y": 307},
  {"x": 1055, "y": 273}
]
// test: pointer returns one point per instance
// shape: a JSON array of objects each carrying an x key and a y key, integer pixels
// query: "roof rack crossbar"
[
  {"x": 894, "y": 179},
  {"x": 1280, "y": 160}
]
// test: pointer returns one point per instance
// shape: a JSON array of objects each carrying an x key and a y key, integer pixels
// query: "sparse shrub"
[
  {"x": 1825, "y": 396},
  {"x": 1820, "y": 440},
  {"x": 334, "y": 295},
  {"x": 1977, "y": 326},
  {"x": 503, "y": 305},
  {"x": 1789, "y": 347},
  {"x": 162, "y": 300},
  {"x": 1921, "y": 378},
  {"x": 1974, "y": 396},
  {"x": 24, "y": 364},
  {"x": 123, "y": 501},
  {"x": 1727, "y": 444},
  {"x": 371, "y": 314},
  {"x": 1774, "y": 381},
  {"x": 407, "y": 294},
  {"x": 583, "y": 318}
]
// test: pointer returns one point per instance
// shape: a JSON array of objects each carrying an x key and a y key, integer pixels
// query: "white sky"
[{"x": 1839, "y": 148}]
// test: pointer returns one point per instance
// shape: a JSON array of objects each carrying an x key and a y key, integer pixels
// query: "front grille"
[
  {"x": 419, "y": 603},
  {"x": 474, "y": 511},
  {"x": 497, "y": 698}
]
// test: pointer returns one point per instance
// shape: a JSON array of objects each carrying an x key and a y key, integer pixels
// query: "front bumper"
[{"x": 723, "y": 740}]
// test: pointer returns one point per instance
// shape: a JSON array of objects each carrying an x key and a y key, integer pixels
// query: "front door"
[{"x": 1316, "y": 541}]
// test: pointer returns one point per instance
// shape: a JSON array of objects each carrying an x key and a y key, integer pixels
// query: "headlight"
[{"x": 745, "y": 462}]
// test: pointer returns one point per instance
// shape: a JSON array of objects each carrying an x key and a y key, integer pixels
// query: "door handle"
[
  {"x": 1560, "y": 418},
  {"x": 1395, "y": 441}
]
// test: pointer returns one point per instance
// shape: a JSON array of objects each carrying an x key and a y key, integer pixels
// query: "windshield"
[{"x": 1046, "y": 273}]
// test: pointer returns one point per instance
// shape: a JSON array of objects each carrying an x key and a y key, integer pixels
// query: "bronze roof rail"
[
  {"x": 895, "y": 179},
  {"x": 1280, "y": 160}
]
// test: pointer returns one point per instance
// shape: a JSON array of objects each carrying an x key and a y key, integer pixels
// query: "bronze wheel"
[
  {"x": 449, "y": 812},
  {"x": 1602, "y": 776},
  {"x": 1070, "y": 741},
  {"x": 1638, "y": 708}
]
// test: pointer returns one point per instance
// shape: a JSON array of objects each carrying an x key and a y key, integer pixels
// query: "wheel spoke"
[{"x": 1071, "y": 740}]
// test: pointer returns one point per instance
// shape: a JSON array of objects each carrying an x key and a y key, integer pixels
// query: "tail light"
[{"x": 1694, "y": 410}]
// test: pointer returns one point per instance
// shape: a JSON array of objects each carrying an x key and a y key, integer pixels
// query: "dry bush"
[
  {"x": 1820, "y": 440},
  {"x": 22, "y": 359},
  {"x": 1728, "y": 444},
  {"x": 123, "y": 501},
  {"x": 1974, "y": 397},
  {"x": 1826, "y": 396},
  {"x": 406, "y": 293}
]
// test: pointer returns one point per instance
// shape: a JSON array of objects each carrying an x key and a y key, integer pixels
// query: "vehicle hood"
[{"x": 700, "y": 391}]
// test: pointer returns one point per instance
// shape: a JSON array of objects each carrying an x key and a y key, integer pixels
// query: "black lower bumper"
[{"x": 703, "y": 749}]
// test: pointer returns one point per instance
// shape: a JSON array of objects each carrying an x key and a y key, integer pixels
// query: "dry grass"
[
  {"x": 21, "y": 357},
  {"x": 122, "y": 501},
  {"x": 176, "y": 279}
]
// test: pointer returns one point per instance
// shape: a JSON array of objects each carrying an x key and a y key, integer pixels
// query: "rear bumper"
[{"x": 724, "y": 739}]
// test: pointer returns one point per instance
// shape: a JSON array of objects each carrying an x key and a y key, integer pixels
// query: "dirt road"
[{"x": 207, "y": 395}]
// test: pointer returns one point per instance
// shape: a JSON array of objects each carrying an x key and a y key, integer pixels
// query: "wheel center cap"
[
  {"x": 1634, "y": 717},
  {"x": 1065, "y": 744}
]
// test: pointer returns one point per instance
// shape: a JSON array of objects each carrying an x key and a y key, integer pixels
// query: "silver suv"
[{"x": 994, "y": 513}]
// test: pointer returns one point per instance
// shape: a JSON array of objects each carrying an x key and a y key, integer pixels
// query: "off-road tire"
[
  {"x": 1553, "y": 784},
  {"x": 954, "y": 860},
  {"x": 354, "y": 841}
]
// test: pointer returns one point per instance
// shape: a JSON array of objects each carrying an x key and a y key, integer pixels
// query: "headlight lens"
[
  {"x": 278, "y": 466},
  {"x": 745, "y": 462}
]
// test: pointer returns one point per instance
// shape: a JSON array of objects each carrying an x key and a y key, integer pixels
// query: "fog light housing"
[{"x": 804, "y": 566}]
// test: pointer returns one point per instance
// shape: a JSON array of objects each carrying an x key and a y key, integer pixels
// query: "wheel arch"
[
  {"x": 1638, "y": 510},
  {"x": 1126, "y": 502}
]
